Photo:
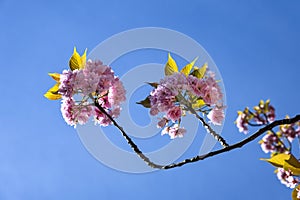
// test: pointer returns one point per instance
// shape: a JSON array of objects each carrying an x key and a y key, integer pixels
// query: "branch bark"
[
  {"x": 240, "y": 144},
  {"x": 236, "y": 145}
]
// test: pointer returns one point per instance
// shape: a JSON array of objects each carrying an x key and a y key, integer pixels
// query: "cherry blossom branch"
[
  {"x": 236, "y": 145},
  {"x": 199, "y": 157}
]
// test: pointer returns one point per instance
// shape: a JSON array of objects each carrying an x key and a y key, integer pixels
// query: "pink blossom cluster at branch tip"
[
  {"x": 173, "y": 94},
  {"x": 287, "y": 178},
  {"x": 271, "y": 143},
  {"x": 264, "y": 113},
  {"x": 96, "y": 80}
]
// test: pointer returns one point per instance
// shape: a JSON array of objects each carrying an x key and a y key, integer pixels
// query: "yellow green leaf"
[
  {"x": 292, "y": 164},
  {"x": 187, "y": 69},
  {"x": 52, "y": 93},
  {"x": 199, "y": 103},
  {"x": 295, "y": 192},
  {"x": 240, "y": 112},
  {"x": 199, "y": 72},
  {"x": 286, "y": 161},
  {"x": 171, "y": 66},
  {"x": 52, "y": 96},
  {"x": 202, "y": 70},
  {"x": 278, "y": 160},
  {"x": 83, "y": 58},
  {"x": 55, "y": 76},
  {"x": 77, "y": 62}
]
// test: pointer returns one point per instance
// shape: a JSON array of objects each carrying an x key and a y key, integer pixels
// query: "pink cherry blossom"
[
  {"x": 175, "y": 93},
  {"x": 174, "y": 113},
  {"x": 175, "y": 82},
  {"x": 95, "y": 80},
  {"x": 216, "y": 115},
  {"x": 162, "y": 99},
  {"x": 67, "y": 108},
  {"x": 75, "y": 113},
  {"x": 67, "y": 79},
  {"x": 174, "y": 131},
  {"x": 286, "y": 177},
  {"x": 242, "y": 123},
  {"x": 289, "y": 131},
  {"x": 271, "y": 143},
  {"x": 116, "y": 93}
]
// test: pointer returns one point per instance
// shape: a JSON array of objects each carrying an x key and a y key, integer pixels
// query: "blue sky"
[{"x": 254, "y": 43}]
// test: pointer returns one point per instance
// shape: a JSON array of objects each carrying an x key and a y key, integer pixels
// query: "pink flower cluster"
[
  {"x": 242, "y": 122},
  {"x": 97, "y": 81},
  {"x": 279, "y": 142},
  {"x": 172, "y": 94},
  {"x": 272, "y": 143},
  {"x": 264, "y": 113},
  {"x": 287, "y": 178},
  {"x": 216, "y": 115},
  {"x": 290, "y": 131},
  {"x": 208, "y": 89}
]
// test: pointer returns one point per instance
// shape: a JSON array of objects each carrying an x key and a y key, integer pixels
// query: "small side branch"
[
  {"x": 133, "y": 146},
  {"x": 218, "y": 137}
]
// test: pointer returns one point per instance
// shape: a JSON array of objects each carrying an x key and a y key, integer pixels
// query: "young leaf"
[
  {"x": 55, "y": 76},
  {"x": 77, "y": 62},
  {"x": 187, "y": 69},
  {"x": 146, "y": 102},
  {"x": 83, "y": 58},
  {"x": 292, "y": 164},
  {"x": 199, "y": 72},
  {"x": 153, "y": 84},
  {"x": 199, "y": 103},
  {"x": 52, "y": 93},
  {"x": 278, "y": 160},
  {"x": 286, "y": 161},
  {"x": 171, "y": 66}
]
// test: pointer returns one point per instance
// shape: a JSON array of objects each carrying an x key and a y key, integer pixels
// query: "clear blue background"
[{"x": 254, "y": 43}]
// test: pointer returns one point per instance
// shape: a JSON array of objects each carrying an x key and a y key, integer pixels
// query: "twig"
[
  {"x": 189, "y": 107},
  {"x": 218, "y": 137}
]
